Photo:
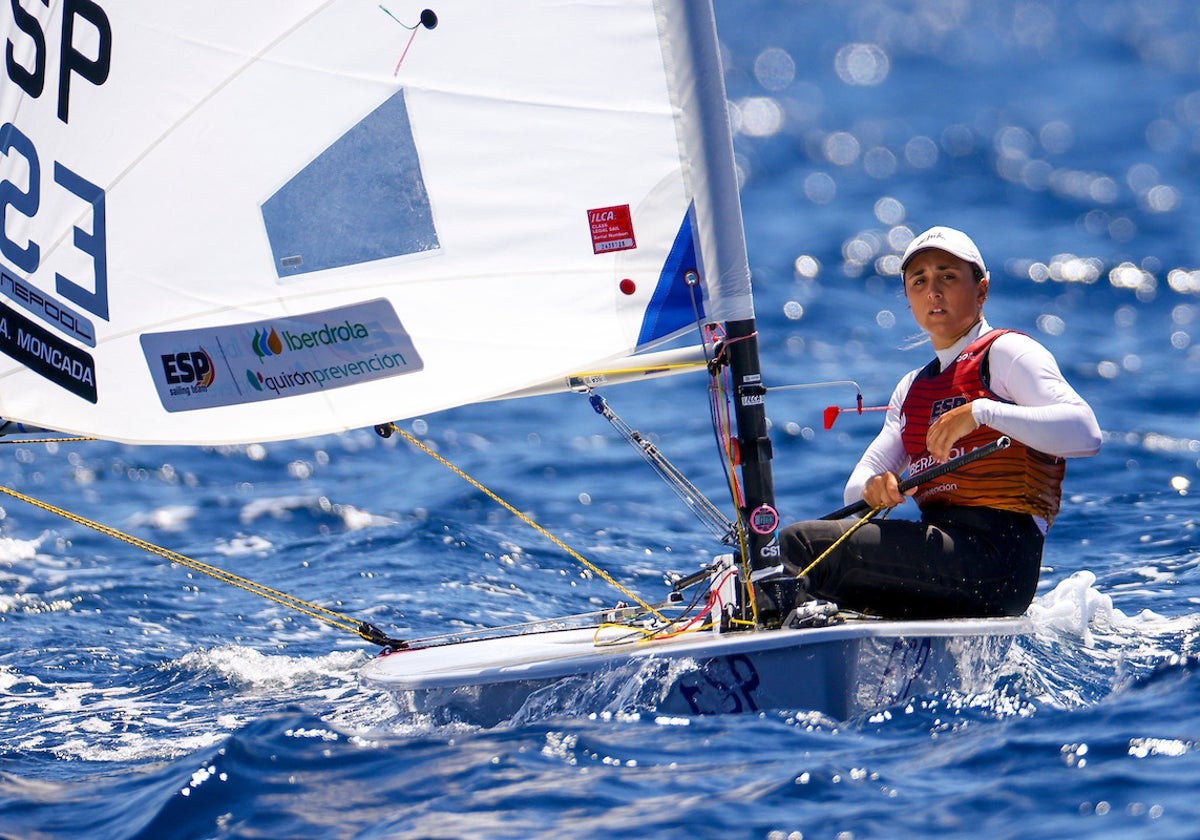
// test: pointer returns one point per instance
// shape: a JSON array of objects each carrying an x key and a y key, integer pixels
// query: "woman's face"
[{"x": 944, "y": 296}]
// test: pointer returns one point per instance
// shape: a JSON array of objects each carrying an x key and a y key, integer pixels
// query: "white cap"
[{"x": 945, "y": 239}]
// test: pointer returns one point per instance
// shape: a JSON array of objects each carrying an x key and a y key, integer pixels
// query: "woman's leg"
[{"x": 987, "y": 565}]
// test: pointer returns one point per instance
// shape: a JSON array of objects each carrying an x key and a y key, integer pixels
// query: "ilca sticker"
[{"x": 612, "y": 229}]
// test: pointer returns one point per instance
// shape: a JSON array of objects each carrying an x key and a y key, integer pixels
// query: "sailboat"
[{"x": 230, "y": 224}]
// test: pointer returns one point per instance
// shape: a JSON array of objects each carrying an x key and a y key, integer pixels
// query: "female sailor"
[{"x": 977, "y": 547}]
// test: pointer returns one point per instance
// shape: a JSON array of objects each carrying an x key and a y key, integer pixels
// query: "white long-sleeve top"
[{"x": 1045, "y": 412}]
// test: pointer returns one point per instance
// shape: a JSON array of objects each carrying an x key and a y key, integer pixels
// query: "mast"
[
  {"x": 758, "y": 516},
  {"x": 726, "y": 269}
]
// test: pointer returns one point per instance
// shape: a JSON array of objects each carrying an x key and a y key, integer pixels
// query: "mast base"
[{"x": 777, "y": 598}]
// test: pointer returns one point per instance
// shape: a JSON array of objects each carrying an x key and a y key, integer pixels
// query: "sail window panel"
[{"x": 362, "y": 199}]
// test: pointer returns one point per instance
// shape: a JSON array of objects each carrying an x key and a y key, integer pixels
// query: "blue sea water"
[{"x": 138, "y": 699}]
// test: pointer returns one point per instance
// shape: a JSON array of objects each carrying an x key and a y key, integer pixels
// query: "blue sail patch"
[{"x": 670, "y": 308}]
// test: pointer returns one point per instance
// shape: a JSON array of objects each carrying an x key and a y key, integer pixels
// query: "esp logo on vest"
[{"x": 940, "y": 407}]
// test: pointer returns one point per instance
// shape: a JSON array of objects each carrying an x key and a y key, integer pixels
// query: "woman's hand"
[
  {"x": 946, "y": 431},
  {"x": 883, "y": 490}
]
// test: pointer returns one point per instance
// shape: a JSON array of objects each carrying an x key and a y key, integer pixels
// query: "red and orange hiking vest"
[{"x": 1018, "y": 478}]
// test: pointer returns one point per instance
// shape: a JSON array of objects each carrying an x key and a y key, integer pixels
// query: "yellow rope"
[
  {"x": 719, "y": 398},
  {"x": 320, "y": 613},
  {"x": 646, "y": 369},
  {"x": 45, "y": 440},
  {"x": 528, "y": 521},
  {"x": 840, "y": 540},
  {"x": 316, "y": 611}
]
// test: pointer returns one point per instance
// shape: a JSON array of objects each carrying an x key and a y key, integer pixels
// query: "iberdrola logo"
[{"x": 266, "y": 343}]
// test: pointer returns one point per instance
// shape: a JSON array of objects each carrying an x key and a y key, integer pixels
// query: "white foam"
[
  {"x": 170, "y": 518},
  {"x": 79, "y": 720},
  {"x": 22, "y": 602},
  {"x": 240, "y": 546},
  {"x": 1084, "y": 648},
  {"x": 280, "y": 507},
  {"x": 1073, "y": 607},
  {"x": 86, "y": 721},
  {"x": 277, "y": 507},
  {"x": 16, "y": 551},
  {"x": 133, "y": 746},
  {"x": 257, "y": 672},
  {"x": 1077, "y": 608},
  {"x": 356, "y": 519}
]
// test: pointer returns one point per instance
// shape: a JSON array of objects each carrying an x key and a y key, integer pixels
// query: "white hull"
[{"x": 843, "y": 670}]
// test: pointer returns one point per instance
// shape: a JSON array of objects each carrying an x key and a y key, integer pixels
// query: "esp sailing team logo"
[{"x": 189, "y": 372}]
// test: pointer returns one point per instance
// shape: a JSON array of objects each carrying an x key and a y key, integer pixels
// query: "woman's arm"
[
  {"x": 1046, "y": 413},
  {"x": 886, "y": 453}
]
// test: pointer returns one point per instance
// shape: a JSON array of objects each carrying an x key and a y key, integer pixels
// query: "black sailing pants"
[{"x": 957, "y": 562}]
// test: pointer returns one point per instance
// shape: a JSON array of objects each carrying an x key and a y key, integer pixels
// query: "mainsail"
[{"x": 224, "y": 222}]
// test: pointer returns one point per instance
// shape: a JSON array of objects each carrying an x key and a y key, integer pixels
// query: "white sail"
[{"x": 230, "y": 221}]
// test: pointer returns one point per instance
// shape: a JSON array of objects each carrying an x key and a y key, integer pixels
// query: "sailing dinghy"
[{"x": 335, "y": 214}]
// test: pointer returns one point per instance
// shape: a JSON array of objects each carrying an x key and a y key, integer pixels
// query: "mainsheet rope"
[
  {"x": 845, "y": 536},
  {"x": 390, "y": 428},
  {"x": 362, "y": 629},
  {"x": 333, "y": 618}
]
